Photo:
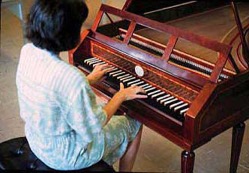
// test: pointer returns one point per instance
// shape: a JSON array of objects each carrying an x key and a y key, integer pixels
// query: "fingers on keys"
[
  {"x": 140, "y": 92},
  {"x": 104, "y": 67}
]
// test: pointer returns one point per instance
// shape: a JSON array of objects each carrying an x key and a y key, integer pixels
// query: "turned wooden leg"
[
  {"x": 238, "y": 133},
  {"x": 188, "y": 159}
]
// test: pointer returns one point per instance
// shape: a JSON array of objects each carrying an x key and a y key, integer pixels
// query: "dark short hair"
[{"x": 55, "y": 25}]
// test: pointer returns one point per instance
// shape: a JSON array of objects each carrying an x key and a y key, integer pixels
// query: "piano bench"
[{"x": 15, "y": 154}]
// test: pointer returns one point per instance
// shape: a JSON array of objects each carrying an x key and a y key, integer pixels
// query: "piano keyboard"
[{"x": 156, "y": 97}]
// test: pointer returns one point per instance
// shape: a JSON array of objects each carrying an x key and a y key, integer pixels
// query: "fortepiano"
[{"x": 190, "y": 100}]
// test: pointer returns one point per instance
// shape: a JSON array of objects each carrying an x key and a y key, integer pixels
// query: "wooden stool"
[{"x": 15, "y": 154}]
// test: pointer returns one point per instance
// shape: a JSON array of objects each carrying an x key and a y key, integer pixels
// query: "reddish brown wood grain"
[{"x": 214, "y": 106}]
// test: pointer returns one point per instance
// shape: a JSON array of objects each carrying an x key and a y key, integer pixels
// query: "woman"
[{"x": 65, "y": 127}]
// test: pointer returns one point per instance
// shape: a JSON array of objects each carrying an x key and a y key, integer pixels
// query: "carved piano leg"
[
  {"x": 238, "y": 132},
  {"x": 188, "y": 159}
]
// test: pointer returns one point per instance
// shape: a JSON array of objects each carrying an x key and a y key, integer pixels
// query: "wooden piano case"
[{"x": 216, "y": 104}]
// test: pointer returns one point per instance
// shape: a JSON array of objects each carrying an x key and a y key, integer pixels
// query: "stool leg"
[
  {"x": 188, "y": 159},
  {"x": 237, "y": 138}
]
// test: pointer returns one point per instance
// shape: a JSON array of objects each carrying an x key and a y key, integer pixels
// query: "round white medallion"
[{"x": 139, "y": 71}]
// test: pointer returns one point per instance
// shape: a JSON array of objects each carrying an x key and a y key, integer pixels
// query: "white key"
[
  {"x": 175, "y": 104},
  {"x": 119, "y": 77},
  {"x": 181, "y": 106},
  {"x": 98, "y": 63},
  {"x": 170, "y": 101},
  {"x": 138, "y": 83},
  {"x": 149, "y": 89},
  {"x": 117, "y": 74},
  {"x": 184, "y": 111},
  {"x": 153, "y": 92},
  {"x": 158, "y": 94},
  {"x": 160, "y": 98},
  {"x": 145, "y": 85},
  {"x": 114, "y": 72},
  {"x": 89, "y": 59},
  {"x": 91, "y": 62},
  {"x": 128, "y": 79},
  {"x": 129, "y": 83},
  {"x": 169, "y": 98},
  {"x": 94, "y": 61}
]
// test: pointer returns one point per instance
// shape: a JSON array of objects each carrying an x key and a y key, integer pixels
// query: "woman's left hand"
[{"x": 98, "y": 72}]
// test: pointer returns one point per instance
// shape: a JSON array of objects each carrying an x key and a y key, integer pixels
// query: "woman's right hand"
[
  {"x": 131, "y": 92},
  {"x": 123, "y": 94}
]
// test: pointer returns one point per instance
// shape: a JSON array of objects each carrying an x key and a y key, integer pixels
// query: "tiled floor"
[{"x": 156, "y": 153}]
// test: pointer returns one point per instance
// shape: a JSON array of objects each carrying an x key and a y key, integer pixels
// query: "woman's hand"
[
  {"x": 98, "y": 72},
  {"x": 131, "y": 92},
  {"x": 123, "y": 94}
]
